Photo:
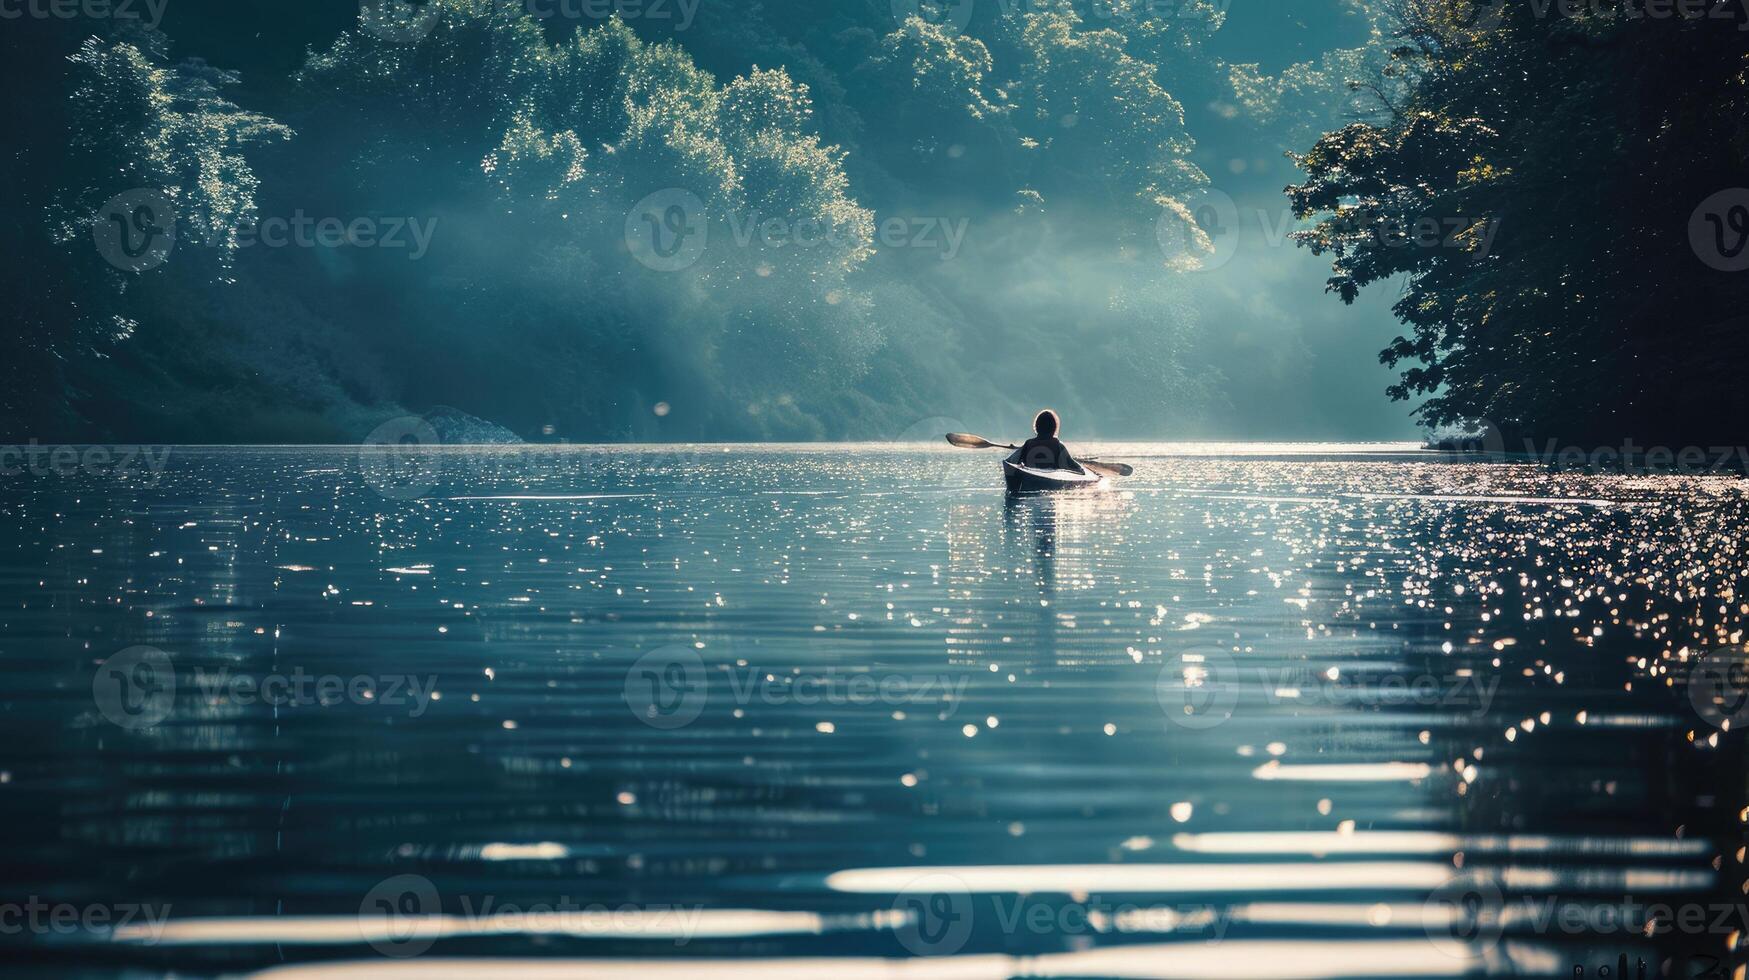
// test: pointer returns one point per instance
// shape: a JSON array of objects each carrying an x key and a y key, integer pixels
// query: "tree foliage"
[
  {"x": 571, "y": 135},
  {"x": 132, "y": 119},
  {"x": 139, "y": 123},
  {"x": 1532, "y": 190}
]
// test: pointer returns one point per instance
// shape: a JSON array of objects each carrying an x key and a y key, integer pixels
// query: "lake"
[{"x": 850, "y": 711}]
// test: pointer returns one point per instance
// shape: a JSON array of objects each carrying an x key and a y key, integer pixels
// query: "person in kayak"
[{"x": 1043, "y": 451}]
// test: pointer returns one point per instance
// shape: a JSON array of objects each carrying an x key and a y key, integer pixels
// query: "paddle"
[
  {"x": 966, "y": 440},
  {"x": 1107, "y": 469}
]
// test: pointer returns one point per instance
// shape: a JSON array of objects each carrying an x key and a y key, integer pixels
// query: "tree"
[
  {"x": 138, "y": 123},
  {"x": 1534, "y": 192},
  {"x": 139, "y": 138},
  {"x": 1096, "y": 110}
]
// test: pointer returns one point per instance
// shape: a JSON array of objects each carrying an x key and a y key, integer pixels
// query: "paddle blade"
[
  {"x": 1108, "y": 469},
  {"x": 968, "y": 441}
]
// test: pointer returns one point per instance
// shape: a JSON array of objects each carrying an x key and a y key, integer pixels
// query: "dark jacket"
[{"x": 1045, "y": 453}]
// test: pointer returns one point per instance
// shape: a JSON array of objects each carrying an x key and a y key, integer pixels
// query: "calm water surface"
[{"x": 851, "y": 712}]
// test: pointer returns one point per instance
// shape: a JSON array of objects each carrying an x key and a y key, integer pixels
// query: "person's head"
[{"x": 1045, "y": 423}]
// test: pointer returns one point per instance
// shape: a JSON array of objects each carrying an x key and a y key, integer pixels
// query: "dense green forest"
[{"x": 789, "y": 219}]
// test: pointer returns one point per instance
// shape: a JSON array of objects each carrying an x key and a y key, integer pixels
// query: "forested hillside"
[{"x": 880, "y": 218}]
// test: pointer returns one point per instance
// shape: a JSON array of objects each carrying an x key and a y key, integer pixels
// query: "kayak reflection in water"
[{"x": 1044, "y": 451}]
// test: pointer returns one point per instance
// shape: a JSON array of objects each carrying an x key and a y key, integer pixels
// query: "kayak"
[{"x": 1022, "y": 479}]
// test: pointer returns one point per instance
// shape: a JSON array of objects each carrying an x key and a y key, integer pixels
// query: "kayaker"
[{"x": 1043, "y": 451}]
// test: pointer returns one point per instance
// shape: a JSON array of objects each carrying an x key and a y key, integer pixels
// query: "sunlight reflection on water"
[{"x": 1257, "y": 710}]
